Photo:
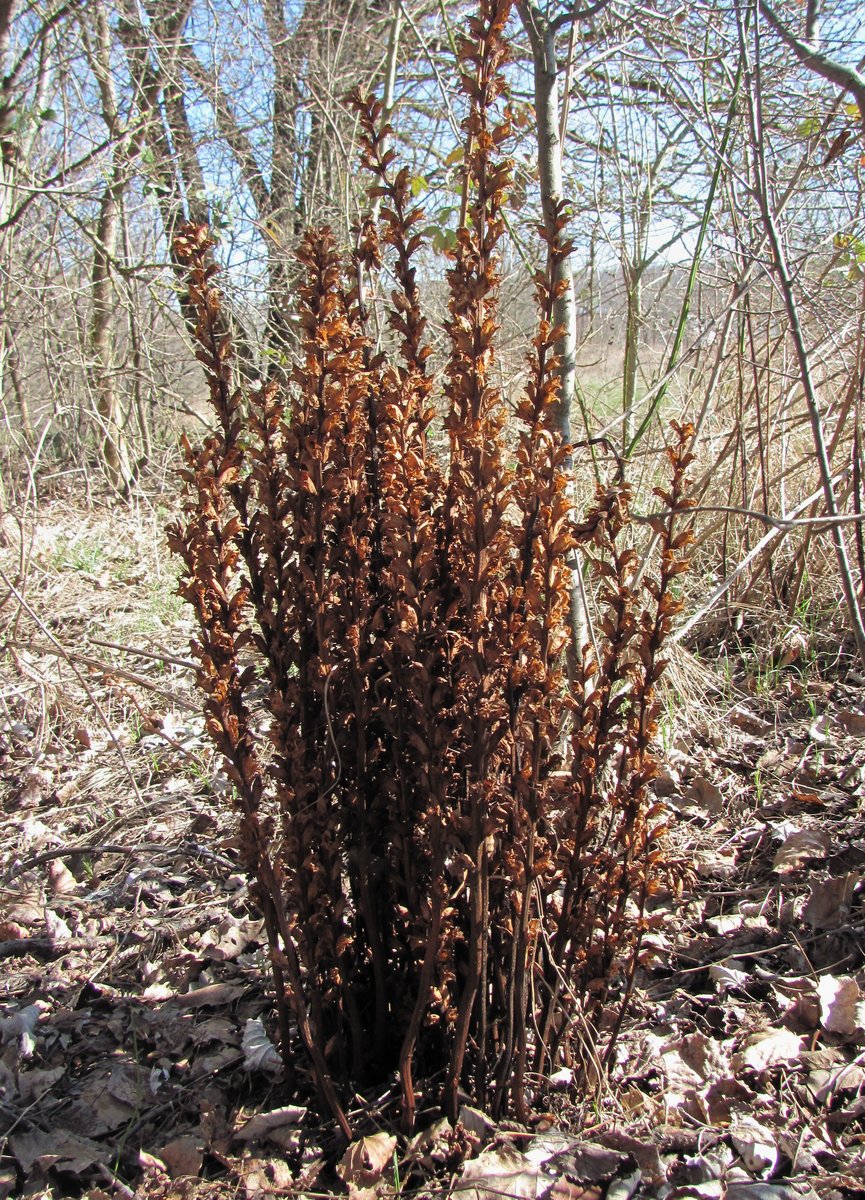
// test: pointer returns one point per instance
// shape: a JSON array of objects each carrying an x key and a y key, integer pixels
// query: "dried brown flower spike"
[{"x": 452, "y": 852}]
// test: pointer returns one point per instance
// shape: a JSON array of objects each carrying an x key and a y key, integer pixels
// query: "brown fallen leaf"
[
  {"x": 262, "y": 1124},
  {"x": 559, "y": 1153},
  {"x": 183, "y": 1157},
  {"x": 60, "y": 879},
  {"x": 842, "y": 1010},
  {"x": 432, "y": 1146},
  {"x": 38, "y": 1082},
  {"x": 723, "y": 1097},
  {"x": 57, "y": 928},
  {"x": 229, "y": 938},
  {"x": 212, "y": 995},
  {"x": 563, "y": 1189},
  {"x": 497, "y": 1172},
  {"x": 705, "y": 795},
  {"x": 27, "y": 908},
  {"x": 797, "y": 1000},
  {"x": 829, "y": 902},
  {"x": 852, "y": 720},
  {"x": 259, "y": 1052},
  {"x": 365, "y": 1161},
  {"x": 756, "y": 1145},
  {"x": 825, "y": 1084},
  {"x": 264, "y": 1178},
  {"x": 21, "y": 1027},
  {"x": 799, "y": 847},
  {"x": 771, "y": 1048},
  {"x": 67, "y": 1151},
  {"x": 110, "y": 1097}
]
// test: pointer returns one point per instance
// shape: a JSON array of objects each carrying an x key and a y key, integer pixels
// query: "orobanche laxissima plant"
[{"x": 452, "y": 849}]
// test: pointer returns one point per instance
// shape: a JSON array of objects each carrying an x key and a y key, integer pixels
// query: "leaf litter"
[{"x": 137, "y": 1051}]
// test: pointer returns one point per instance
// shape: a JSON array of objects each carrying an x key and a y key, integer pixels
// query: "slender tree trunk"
[
  {"x": 102, "y": 371},
  {"x": 7, "y": 9},
  {"x": 547, "y": 107},
  {"x": 102, "y": 366},
  {"x": 633, "y": 327},
  {"x": 542, "y": 37},
  {"x": 13, "y": 366}
]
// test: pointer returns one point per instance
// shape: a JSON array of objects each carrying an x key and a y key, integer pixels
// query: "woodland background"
[{"x": 711, "y": 158}]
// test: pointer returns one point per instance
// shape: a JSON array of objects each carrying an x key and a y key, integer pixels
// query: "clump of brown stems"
[{"x": 451, "y": 849}]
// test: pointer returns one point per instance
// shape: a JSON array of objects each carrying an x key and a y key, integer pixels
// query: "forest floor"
[{"x": 134, "y": 989}]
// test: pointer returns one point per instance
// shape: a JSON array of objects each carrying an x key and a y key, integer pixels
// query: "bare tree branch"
[{"x": 848, "y": 78}]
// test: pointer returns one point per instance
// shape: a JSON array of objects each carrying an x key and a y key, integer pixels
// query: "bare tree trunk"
[
  {"x": 7, "y": 8},
  {"x": 102, "y": 368},
  {"x": 633, "y": 325},
  {"x": 103, "y": 298},
  {"x": 22, "y": 402},
  {"x": 542, "y": 37}
]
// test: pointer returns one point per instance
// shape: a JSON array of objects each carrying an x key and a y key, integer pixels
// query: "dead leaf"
[
  {"x": 260, "y": 1054},
  {"x": 110, "y": 1096},
  {"x": 756, "y": 1146},
  {"x": 59, "y": 1148},
  {"x": 57, "y": 928},
  {"x": 704, "y": 794},
  {"x": 215, "y": 1029},
  {"x": 725, "y": 924},
  {"x": 499, "y": 1171},
  {"x": 60, "y": 879},
  {"x": 820, "y": 730},
  {"x": 852, "y": 720},
  {"x": 153, "y": 1167},
  {"x": 212, "y": 995},
  {"x": 841, "y": 1007},
  {"x": 799, "y": 847},
  {"x": 35, "y": 786},
  {"x": 475, "y": 1121},
  {"x": 365, "y": 1161},
  {"x": 829, "y": 902},
  {"x": 264, "y": 1178},
  {"x": 643, "y": 1151},
  {"x": 208, "y": 1064},
  {"x": 561, "y": 1153},
  {"x": 22, "y": 1025},
  {"x": 28, "y": 906},
  {"x": 563, "y": 1189},
  {"x": 767, "y": 1191},
  {"x": 183, "y": 1157},
  {"x": 229, "y": 938},
  {"x": 38, "y": 1082},
  {"x": 431, "y": 1147},
  {"x": 263, "y": 1124},
  {"x": 726, "y": 975},
  {"x": 623, "y": 1189},
  {"x": 747, "y": 721},
  {"x": 723, "y": 1097},
  {"x": 825, "y": 1083},
  {"x": 797, "y": 999},
  {"x": 771, "y": 1048}
]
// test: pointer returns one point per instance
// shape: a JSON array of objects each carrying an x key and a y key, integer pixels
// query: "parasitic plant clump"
[{"x": 452, "y": 848}]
